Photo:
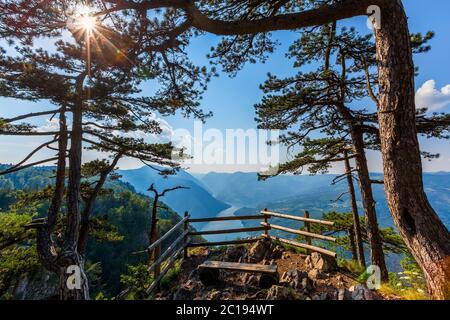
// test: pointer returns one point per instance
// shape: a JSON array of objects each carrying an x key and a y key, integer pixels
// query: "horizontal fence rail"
[
  {"x": 229, "y": 218},
  {"x": 299, "y": 232},
  {"x": 303, "y": 245},
  {"x": 227, "y": 231},
  {"x": 307, "y": 221},
  {"x": 297, "y": 218}
]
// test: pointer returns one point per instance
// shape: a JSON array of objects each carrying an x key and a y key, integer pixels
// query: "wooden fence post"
[
  {"x": 266, "y": 221},
  {"x": 186, "y": 227},
  {"x": 308, "y": 229}
]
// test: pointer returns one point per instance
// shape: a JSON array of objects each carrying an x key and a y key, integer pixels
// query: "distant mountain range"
[
  {"x": 211, "y": 193},
  {"x": 295, "y": 194}
]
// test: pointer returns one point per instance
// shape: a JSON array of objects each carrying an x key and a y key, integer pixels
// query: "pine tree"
[
  {"x": 319, "y": 101},
  {"x": 246, "y": 28},
  {"x": 95, "y": 79}
]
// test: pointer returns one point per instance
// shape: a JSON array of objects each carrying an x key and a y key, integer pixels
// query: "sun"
[
  {"x": 82, "y": 20},
  {"x": 87, "y": 22}
]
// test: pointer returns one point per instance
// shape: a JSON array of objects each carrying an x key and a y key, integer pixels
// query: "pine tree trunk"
[
  {"x": 424, "y": 233},
  {"x": 351, "y": 237},
  {"x": 357, "y": 227},
  {"x": 373, "y": 232},
  {"x": 69, "y": 259},
  {"x": 70, "y": 256}
]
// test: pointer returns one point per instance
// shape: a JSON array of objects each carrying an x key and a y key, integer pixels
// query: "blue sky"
[{"x": 232, "y": 99}]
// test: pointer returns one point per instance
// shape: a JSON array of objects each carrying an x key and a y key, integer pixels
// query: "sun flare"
[{"x": 87, "y": 22}]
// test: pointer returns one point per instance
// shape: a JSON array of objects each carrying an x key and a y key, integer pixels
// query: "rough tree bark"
[
  {"x": 357, "y": 227},
  {"x": 351, "y": 237},
  {"x": 424, "y": 233},
  {"x": 373, "y": 232},
  {"x": 70, "y": 255},
  {"x": 365, "y": 185}
]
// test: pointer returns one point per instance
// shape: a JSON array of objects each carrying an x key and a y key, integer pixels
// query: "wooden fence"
[{"x": 182, "y": 243}]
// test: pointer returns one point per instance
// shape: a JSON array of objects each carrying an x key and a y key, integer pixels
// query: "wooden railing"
[
  {"x": 226, "y": 231},
  {"x": 182, "y": 243},
  {"x": 307, "y": 234},
  {"x": 170, "y": 255}
]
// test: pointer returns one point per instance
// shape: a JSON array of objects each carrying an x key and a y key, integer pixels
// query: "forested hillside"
[{"x": 123, "y": 218}]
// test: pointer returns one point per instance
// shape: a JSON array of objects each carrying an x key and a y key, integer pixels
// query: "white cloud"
[
  {"x": 49, "y": 126},
  {"x": 428, "y": 96}
]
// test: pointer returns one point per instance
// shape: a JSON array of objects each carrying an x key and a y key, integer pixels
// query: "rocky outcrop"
[
  {"x": 305, "y": 277},
  {"x": 41, "y": 286}
]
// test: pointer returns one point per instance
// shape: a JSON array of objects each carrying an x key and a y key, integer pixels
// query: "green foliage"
[
  {"x": 408, "y": 284},
  {"x": 391, "y": 240},
  {"x": 119, "y": 227},
  {"x": 171, "y": 275},
  {"x": 137, "y": 279},
  {"x": 18, "y": 255},
  {"x": 351, "y": 265}
]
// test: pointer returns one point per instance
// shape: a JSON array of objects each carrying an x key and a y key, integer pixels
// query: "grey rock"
[
  {"x": 342, "y": 294},
  {"x": 361, "y": 292},
  {"x": 323, "y": 263},
  {"x": 235, "y": 254},
  {"x": 277, "y": 252},
  {"x": 293, "y": 278},
  {"x": 278, "y": 293},
  {"x": 307, "y": 284},
  {"x": 258, "y": 251}
]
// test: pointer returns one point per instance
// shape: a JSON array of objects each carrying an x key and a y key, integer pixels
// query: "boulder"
[
  {"x": 361, "y": 292},
  {"x": 258, "y": 251},
  {"x": 321, "y": 262},
  {"x": 235, "y": 254},
  {"x": 278, "y": 293},
  {"x": 315, "y": 274},
  {"x": 323, "y": 296},
  {"x": 293, "y": 278},
  {"x": 307, "y": 284},
  {"x": 344, "y": 294},
  {"x": 187, "y": 290},
  {"x": 277, "y": 252}
]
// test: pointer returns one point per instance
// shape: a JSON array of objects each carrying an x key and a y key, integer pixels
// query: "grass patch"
[
  {"x": 403, "y": 293},
  {"x": 351, "y": 266},
  {"x": 171, "y": 275}
]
